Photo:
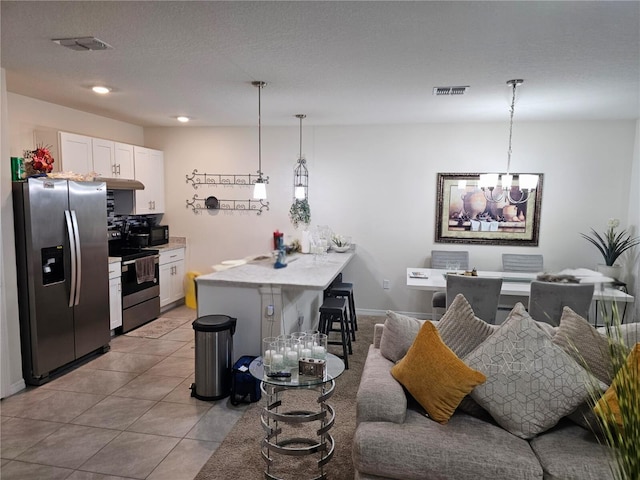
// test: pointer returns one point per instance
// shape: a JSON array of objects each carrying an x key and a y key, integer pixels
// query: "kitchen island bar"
[{"x": 269, "y": 301}]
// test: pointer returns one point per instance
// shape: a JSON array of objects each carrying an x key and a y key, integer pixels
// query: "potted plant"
[
  {"x": 611, "y": 245},
  {"x": 300, "y": 213}
]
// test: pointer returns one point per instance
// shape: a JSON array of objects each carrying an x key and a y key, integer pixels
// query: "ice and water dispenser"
[{"x": 52, "y": 265}]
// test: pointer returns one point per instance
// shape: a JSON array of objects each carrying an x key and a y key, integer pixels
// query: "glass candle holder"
[
  {"x": 269, "y": 345},
  {"x": 319, "y": 349}
]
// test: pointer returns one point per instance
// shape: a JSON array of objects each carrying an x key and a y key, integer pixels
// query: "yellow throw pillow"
[
  {"x": 434, "y": 375},
  {"x": 628, "y": 379}
]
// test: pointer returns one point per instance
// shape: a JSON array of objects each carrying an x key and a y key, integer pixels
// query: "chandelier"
[
  {"x": 259, "y": 187},
  {"x": 301, "y": 174},
  {"x": 526, "y": 183}
]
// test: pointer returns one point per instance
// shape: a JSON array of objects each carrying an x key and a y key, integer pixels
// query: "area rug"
[{"x": 239, "y": 454}]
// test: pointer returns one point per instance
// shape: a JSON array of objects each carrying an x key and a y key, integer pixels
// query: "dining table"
[{"x": 518, "y": 284}]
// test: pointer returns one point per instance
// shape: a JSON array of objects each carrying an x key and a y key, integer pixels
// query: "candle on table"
[
  {"x": 305, "y": 353},
  {"x": 277, "y": 360},
  {"x": 268, "y": 354},
  {"x": 292, "y": 358},
  {"x": 318, "y": 352}
]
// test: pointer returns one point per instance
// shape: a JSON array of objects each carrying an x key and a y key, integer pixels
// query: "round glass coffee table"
[{"x": 280, "y": 424}]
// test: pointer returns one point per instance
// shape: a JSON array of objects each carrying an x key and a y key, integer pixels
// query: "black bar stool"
[
  {"x": 334, "y": 310},
  {"x": 345, "y": 290}
]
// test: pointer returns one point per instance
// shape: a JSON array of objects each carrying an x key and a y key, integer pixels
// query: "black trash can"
[{"x": 214, "y": 356}]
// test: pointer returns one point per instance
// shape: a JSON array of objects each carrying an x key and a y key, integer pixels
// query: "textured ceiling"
[{"x": 338, "y": 62}]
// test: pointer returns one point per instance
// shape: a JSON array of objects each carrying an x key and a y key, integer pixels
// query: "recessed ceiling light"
[
  {"x": 183, "y": 119},
  {"x": 101, "y": 89}
]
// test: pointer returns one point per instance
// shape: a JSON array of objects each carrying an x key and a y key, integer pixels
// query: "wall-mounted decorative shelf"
[
  {"x": 216, "y": 179},
  {"x": 212, "y": 203}
]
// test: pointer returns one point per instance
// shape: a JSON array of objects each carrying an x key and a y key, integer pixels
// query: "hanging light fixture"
[
  {"x": 526, "y": 183},
  {"x": 301, "y": 174},
  {"x": 259, "y": 187}
]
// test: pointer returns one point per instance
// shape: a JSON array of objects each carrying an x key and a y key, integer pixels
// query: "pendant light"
[
  {"x": 526, "y": 183},
  {"x": 259, "y": 187},
  {"x": 301, "y": 174}
]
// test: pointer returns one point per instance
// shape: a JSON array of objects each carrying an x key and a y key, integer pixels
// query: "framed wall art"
[{"x": 467, "y": 213}]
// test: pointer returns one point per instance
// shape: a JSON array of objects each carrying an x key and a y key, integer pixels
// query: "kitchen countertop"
[
  {"x": 169, "y": 246},
  {"x": 302, "y": 270}
]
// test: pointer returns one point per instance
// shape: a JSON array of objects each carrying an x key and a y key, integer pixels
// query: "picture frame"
[{"x": 488, "y": 217}]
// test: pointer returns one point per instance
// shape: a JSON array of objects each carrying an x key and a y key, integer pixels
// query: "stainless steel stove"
[{"x": 140, "y": 281}]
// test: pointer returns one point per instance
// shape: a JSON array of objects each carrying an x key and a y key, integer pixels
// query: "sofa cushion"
[
  {"x": 460, "y": 329},
  {"x": 399, "y": 333},
  {"x": 629, "y": 333},
  {"x": 380, "y": 397},
  {"x": 466, "y": 448},
  {"x": 585, "y": 344},
  {"x": 434, "y": 375},
  {"x": 531, "y": 383},
  {"x": 569, "y": 452}
]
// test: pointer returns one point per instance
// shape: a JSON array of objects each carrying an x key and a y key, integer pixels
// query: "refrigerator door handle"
[
  {"x": 76, "y": 233},
  {"x": 72, "y": 251}
]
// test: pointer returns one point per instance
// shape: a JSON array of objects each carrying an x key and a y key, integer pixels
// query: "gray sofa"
[{"x": 394, "y": 439}]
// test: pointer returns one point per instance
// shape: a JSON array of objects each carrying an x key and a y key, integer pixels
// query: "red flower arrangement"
[{"x": 38, "y": 160}]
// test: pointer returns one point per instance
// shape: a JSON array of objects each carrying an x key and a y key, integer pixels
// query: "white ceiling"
[{"x": 338, "y": 62}]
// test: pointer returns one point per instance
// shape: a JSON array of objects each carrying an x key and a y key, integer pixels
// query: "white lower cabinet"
[
  {"x": 115, "y": 296},
  {"x": 171, "y": 276}
]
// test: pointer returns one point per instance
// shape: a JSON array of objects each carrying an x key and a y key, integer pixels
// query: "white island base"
[{"x": 267, "y": 301}]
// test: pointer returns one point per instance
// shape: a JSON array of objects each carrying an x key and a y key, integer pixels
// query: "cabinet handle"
[
  {"x": 118, "y": 172},
  {"x": 113, "y": 170}
]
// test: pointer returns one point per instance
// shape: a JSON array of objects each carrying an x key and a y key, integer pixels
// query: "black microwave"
[{"x": 158, "y": 235}]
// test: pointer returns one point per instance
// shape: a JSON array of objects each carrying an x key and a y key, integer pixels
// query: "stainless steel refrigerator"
[{"x": 63, "y": 276}]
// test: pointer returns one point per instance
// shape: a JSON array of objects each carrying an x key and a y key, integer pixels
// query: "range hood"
[{"x": 121, "y": 183}]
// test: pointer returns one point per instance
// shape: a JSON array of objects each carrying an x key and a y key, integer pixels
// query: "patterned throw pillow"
[
  {"x": 626, "y": 381},
  {"x": 531, "y": 383},
  {"x": 460, "y": 329},
  {"x": 399, "y": 333},
  {"x": 434, "y": 375},
  {"x": 582, "y": 341}
]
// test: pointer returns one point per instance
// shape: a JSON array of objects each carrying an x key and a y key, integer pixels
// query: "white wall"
[
  {"x": 21, "y": 117},
  {"x": 27, "y": 115},
  {"x": 378, "y": 184},
  {"x": 633, "y": 258},
  {"x": 10, "y": 358}
]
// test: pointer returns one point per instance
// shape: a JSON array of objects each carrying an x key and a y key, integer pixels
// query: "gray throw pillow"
[
  {"x": 460, "y": 329},
  {"x": 399, "y": 333},
  {"x": 531, "y": 383},
  {"x": 582, "y": 341}
]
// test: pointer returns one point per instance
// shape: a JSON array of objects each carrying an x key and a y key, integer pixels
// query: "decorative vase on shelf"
[{"x": 612, "y": 271}]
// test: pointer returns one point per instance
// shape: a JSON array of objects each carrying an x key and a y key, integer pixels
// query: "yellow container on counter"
[{"x": 190, "y": 290}]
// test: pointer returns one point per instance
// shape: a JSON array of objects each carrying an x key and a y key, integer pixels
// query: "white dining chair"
[
  {"x": 442, "y": 259},
  {"x": 517, "y": 262}
]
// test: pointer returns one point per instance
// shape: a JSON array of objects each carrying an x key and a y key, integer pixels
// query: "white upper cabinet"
[
  {"x": 112, "y": 159},
  {"x": 76, "y": 152},
  {"x": 149, "y": 169},
  {"x": 82, "y": 154},
  {"x": 123, "y": 161},
  {"x": 103, "y": 157}
]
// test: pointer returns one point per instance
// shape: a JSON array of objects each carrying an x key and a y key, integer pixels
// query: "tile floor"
[{"x": 126, "y": 414}]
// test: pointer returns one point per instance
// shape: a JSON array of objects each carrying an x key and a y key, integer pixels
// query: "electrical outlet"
[
  {"x": 386, "y": 284},
  {"x": 269, "y": 310}
]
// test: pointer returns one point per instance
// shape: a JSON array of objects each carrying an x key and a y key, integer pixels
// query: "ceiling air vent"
[
  {"x": 82, "y": 43},
  {"x": 450, "y": 90}
]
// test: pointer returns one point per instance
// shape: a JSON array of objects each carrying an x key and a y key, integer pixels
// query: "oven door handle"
[{"x": 156, "y": 259}]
